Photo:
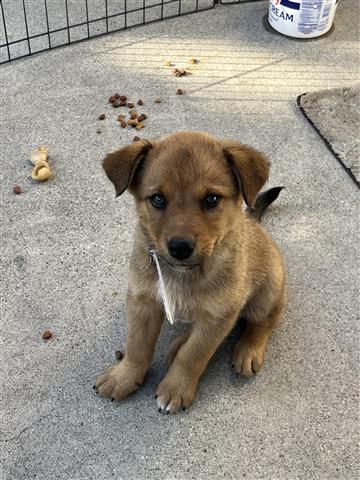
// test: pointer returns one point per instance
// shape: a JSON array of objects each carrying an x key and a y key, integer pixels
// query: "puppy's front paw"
[
  {"x": 175, "y": 392},
  {"x": 247, "y": 358},
  {"x": 118, "y": 381}
]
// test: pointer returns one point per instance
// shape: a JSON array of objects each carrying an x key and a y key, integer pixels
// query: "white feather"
[{"x": 169, "y": 312}]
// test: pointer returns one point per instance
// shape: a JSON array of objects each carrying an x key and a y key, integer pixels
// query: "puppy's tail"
[{"x": 262, "y": 202}]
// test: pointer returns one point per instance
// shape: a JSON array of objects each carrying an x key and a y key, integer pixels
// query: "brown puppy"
[{"x": 216, "y": 261}]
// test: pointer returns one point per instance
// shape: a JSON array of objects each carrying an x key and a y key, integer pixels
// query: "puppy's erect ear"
[
  {"x": 250, "y": 167},
  {"x": 122, "y": 165}
]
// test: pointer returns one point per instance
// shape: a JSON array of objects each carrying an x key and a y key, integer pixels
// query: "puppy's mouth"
[{"x": 180, "y": 266}]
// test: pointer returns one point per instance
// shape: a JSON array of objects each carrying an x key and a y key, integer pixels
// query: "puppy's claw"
[{"x": 163, "y": 407}]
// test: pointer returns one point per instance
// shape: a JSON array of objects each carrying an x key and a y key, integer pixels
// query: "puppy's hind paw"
[{"x": 247, "y": 360}]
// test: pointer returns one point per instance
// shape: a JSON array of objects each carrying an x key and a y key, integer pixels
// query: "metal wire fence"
[{"x": 32, "y": 26}]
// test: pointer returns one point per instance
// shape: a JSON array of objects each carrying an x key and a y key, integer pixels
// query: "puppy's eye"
[
  {"x": 158, "y": 201},
  {"x": 212, "y": 200}
]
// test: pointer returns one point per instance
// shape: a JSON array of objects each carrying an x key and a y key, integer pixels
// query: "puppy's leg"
[
  {"x": 179, "y": 386},
  {"x": 175, "y": 346},
  {"x": 249, "y": 352},
  {"x": 145, "y": 317}
]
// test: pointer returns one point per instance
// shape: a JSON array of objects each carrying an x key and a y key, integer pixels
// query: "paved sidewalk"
[{"x": 65, "y": 247}]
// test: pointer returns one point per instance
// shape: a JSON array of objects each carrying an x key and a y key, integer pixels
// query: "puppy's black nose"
[{"x": 180, "y": 248}]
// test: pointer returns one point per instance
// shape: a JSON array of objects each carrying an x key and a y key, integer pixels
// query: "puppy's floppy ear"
[
  {"x": 250, "y": 167},
  {"x": 122, "y": 165}
]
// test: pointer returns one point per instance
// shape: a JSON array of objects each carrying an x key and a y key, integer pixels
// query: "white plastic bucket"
[{"x": 302, "y": 18}]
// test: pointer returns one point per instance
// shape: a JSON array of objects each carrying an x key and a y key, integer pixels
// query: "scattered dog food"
[
  {"x": 47, "y": 335},
  {"x": 177, "y": 72},
  {"x": 41, "y": 170},
  {"x": 98, "y": 130},
  {"x": 136, "y": 139},
  {"x": 168, "y": 63},
  {"x": 135, "y": 120},
  {"x": 17, "y": 190},
  {"x": 157, "y": 100},
  {"x": 179, "y": 91},
  {"x": 193, "y": 61},
  {"x": 118, "y": 355}
]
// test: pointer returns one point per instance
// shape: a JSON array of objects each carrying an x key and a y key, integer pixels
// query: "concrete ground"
[{"x": 66, "y": 243}]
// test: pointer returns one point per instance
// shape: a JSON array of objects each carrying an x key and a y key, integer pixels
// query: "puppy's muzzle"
[{"x": 181, "y": 248}]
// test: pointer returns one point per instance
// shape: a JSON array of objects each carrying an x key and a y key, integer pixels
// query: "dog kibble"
[
  {"x": 46, "y": 335},
  {"x": 167, "y": 63},
  {"x": 136, "y": 139},
  {"x": 179, "y": 72},
  {"x": 117, "y": 96},
  {"x": 123, "y": 98},
  {"x": 179, "y": 91},
  {"x": 122, "y": 103},
  {"x": 157, "y": 100},
  {"x": 98, "y": 130},
  {"x": 17, "y": 190},
  {"x": 102, "y": 116},
  {"x": 118, "y": 355},
  {"x": 133, "y": 114},
  {"x": 112, "y": 99},
  {"x": 142, "y": 117},
  {"x": 193, "y": 60},
  {"x": 139, "y": 126},
  {"x": 133, "y": 122},
  {"x": 130, "y": 105},
  {"x": 140, "y": 102},
  {"x": 121, "y": 118},
  {"x": 123, "y": 124},
  {"x": 116, "y": 104}
]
